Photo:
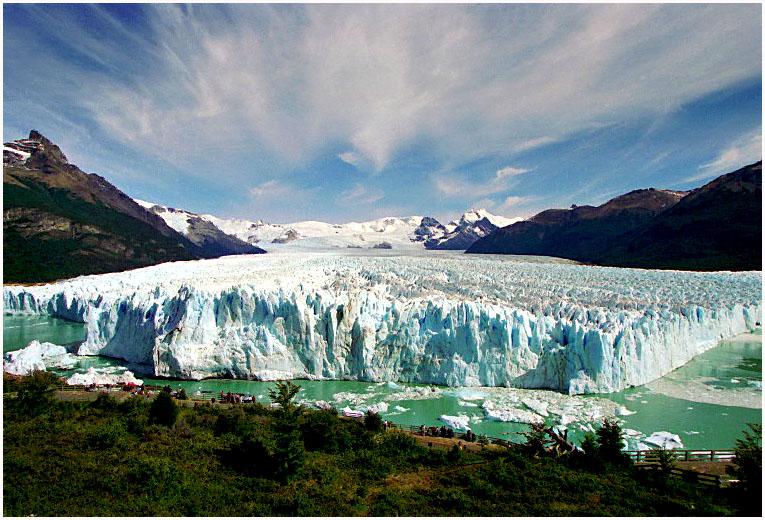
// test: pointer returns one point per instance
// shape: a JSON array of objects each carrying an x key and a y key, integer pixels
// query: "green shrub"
[
  {"x": 229, "y": 420},
  {"x": 320, "y": 431},
  {"x": 154, "y": 475},
  {"x": 34, "y": 392},
  {"x": 747, "y": 468},
  {"x": 163, "y": 410},
  {"x": 252, "y": 457},
  {"x": 398, "y": 445},
  {"x": 105, "y": 402},
  {"x": 454, "y": 456},
  {"x": 108, "y": 435},
  {"x": 373, "y": 422},
  {"x": 181, "y": 395}
]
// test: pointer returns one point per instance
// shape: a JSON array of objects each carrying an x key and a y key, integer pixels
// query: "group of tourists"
[
  {"x": 233, "y": 398},
  {"x": 448, "y": 433},
  {"x": 435, "y": 431}
]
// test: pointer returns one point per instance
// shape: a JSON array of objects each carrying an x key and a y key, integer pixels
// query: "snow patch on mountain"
[{"x": 177, "y": 219}]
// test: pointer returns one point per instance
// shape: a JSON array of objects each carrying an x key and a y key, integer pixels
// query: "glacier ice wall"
[{"x": 443, "y": 319}]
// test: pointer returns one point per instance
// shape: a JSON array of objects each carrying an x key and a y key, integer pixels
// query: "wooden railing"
[
  {"x": 689, "y": 475},
  {"x": 649, "y": 456}
]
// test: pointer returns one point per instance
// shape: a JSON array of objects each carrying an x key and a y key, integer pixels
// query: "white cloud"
[
  {"x": 744, "y": 150},
  {"x": 514, "y": 200},
  {"x": 468, "y": 80},
  {"x": 533, "y": 143},
  {"x": 354, "y": 159},
  {"x": 456, "y": 185},
  {"x": 510, "y": 171},
  {"x": 512, "y": 206},
  {"x": 271, "y": 189},
  {"x": 359, "y": 195}
]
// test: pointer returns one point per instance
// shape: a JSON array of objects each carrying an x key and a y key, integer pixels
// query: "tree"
[
  {"x": 164, "y": 410},
  {"x": 283, "y": 394},
  {"x": 666, "y": 461},
  {"x": 747, "y": 468},
  {"x": 35, "y": 392},
  {"x": 289, "y": 451},
  {"x": 590, "y": 444},
  {"x": 535, "y": 439},
  {"x": 611, "y": 442},
  {"x": 372, "y": 421},
  {"x": 181, "y": 395}
]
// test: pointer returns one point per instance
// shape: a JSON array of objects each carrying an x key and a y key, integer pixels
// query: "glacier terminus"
[{"x": 429, "y": 317}]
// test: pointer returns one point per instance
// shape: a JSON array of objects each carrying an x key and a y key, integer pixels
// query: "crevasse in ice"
[{"x": 443, "y": 319}]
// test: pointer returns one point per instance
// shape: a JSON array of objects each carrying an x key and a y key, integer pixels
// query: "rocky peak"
[{"x": 48, "y": 154}]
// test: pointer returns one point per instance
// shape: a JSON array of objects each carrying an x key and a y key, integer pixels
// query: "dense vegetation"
[
  {"x": 142, "y": 457},
  {"x": 51, "y": 233}
]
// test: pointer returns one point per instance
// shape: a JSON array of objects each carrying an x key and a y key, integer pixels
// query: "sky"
[{"x": 355, "y": 112}]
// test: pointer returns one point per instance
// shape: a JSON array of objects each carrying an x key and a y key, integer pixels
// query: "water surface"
[{"x": 707, "y": 402}]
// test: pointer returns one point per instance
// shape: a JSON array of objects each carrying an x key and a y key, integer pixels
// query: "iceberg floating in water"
[
  {"x": 449, "y": 320},
  {"x": 511, "y": 414},
  {"x": 623, "y": 411},
  {"x": 37, "y": 356},
  {"x": 666, "y": 440},
  {"x": 456, "y": 422},
  {"x": 95, "y": 377}
]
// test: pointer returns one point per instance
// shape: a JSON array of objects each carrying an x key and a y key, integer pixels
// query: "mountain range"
[
  {"x": 717, "y": 226},
  {"x": 396, "y": 232},
  {"x": 61, "y": 222}
]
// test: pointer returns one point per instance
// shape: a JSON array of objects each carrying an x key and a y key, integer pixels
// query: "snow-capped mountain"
[
  {"x": 396, "y": 232},
  {"x": 474, "y": 215},
  {"x": 200, "y": 231},
  {"x": 473, "y": 225}
]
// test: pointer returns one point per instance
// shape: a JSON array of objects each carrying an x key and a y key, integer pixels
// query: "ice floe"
[
  {"x": 666, "y": 440},
  {"x": 456, "y": 422},
  {"x": 98, "y": 378}
]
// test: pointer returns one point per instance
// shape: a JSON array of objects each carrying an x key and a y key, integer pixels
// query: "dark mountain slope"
[
  {"x": 59, "y": 221},
  {"x": 717, "y": 226},
  {"x": 581, "y": 232}
]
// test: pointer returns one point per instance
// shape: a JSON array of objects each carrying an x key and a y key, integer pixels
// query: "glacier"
[{"x": 445, "y": 319}]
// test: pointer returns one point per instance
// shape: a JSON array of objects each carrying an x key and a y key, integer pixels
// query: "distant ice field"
[{"x": 410, "y": 316}]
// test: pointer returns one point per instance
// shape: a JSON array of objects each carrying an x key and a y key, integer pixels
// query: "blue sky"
[{"x": 341, "y": 112}]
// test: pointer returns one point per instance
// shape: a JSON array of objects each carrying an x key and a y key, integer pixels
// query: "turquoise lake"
[{"x": 728, "y": 379}]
